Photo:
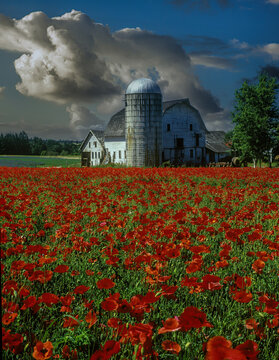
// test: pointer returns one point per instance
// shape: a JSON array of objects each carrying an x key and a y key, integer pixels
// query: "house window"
[
  {"x": 168, "y": 127},
  {"x": 191, "y": 154},
  {"x": 95, "y": 143},
  {"x": 114, "y": 155},
  {"x": 125, "y": 154},
  {"x": 191, "y": 127},
  {"x": 92, "y": 154},
  {"x": 95, "y": 155},
  {"x": 89, "y": 144},
  {"x": 99, "y": 155},
  {"x": 119, "y": 154},
  {"x": 180, "y": 142}
]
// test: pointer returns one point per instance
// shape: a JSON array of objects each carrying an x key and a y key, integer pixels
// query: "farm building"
[{"x": 149, "y": 132}]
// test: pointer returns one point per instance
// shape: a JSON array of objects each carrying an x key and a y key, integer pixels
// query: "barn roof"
[
  {"x": 116, "y": 125},
  {"x": 215, "y": 141},
  {"x": 169, "y": 104}
]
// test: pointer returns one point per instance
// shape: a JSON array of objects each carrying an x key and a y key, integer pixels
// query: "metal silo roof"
[{"x": 143, "y": 86}]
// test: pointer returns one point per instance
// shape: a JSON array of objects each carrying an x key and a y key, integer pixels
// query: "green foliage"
[
  {"x": 256, "y": 118},
  {"x": 21, "y": 144}
]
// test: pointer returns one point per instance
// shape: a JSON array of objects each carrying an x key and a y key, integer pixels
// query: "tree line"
[{"x": 21, "y": 144}]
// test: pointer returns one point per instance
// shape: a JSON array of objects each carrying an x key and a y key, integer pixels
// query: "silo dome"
[{"x": 143, "y": 86}]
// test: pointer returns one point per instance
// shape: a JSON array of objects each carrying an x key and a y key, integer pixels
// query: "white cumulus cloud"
[
  {"x": 272, "y": 49},
  {"x": 72, "y": 59}
]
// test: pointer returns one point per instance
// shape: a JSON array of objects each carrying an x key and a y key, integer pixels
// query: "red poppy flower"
[
  {"x": 219, "y": 348},
  {"x": 242, "y": 296},
  {"x": 81, "y": 289},
  {"x": 17, "y": 265},
  {"x": 8, "y": 318},
  {"x": 9, "y": 287},
  {"x": 258, "y": 266},
  {"x": 49, "y": 299},
  {"x": 171, "y": 324},
  {"x": 41, "y": 276},
  {"x": 12, "y": 341},
  {"x": 114, "y": 322},
  {"x": 251, "y": 324},
  {"x": 46, "y": 260},
  {"x": 140, "y": 333},
  {"x": 66, "y": 300},
  {"x": 61, "y": 269},
  {"x": 24, "y": 292},
  {"x": 91, "y": 318},
  {"x": 70, "y": 322},
  {"x": 99, "y": 355},
  {"x": 124, "y": 307},
  {"x": 193, "y": 318},
  {"x": 111, "y": 348},
  {"x": 89, "y": 272},
  {"x": 109, "y": 305},
  {"x": 249, "y": 349},
  {"x": 42, "y": 350},
  {"x": 243, "y": 282},
  {"x": 211, "y": 282},
  {"x": 105, "y": 284},
  {"x": 171, "y": 346}
]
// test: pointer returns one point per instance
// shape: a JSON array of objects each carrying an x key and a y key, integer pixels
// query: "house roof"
[
  {"x": 215, "y": 141},
  {"x": 99, "y": 135}
]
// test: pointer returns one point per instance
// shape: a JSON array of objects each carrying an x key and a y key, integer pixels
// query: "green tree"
[{"x": 256, "y": 119}]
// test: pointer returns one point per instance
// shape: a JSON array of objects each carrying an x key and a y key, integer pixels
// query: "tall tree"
[{"x": 256, "y": 117}]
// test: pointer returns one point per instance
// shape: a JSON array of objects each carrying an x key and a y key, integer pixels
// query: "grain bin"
[{"x": 143, "y": 123}]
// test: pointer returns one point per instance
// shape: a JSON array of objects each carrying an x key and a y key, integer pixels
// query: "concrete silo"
[{"x": 143, "y": 123}]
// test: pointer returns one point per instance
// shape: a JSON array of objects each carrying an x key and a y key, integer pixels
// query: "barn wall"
[
  {"x": 181, "y": 122},
  {"x": 113, "y": 147}
]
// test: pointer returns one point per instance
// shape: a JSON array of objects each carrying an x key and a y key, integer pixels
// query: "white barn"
[{"x": 185, "y": 139}]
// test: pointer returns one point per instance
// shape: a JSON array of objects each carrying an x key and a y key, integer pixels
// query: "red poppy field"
[{"x": 140, "y": 263}]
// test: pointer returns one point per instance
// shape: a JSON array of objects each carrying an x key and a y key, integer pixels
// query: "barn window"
[
  {"x": 191, "y": 153},
  {"x": 197, "y": 139},
  {"x": 119, "y": 154},
  {"x": 95, "y": 143},
  {"x": 168, "y": 127},
  {"x": 180, "y": 142},
  {"x": 191, "y": 127}
]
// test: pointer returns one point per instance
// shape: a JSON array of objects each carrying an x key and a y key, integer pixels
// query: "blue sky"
[{"x": 63, "y": 72}]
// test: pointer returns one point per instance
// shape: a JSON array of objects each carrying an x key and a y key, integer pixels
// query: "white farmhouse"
[{"x": 148, "y": 132}]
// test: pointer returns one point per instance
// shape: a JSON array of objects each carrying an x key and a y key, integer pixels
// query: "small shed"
[{"x": 216, "y": 148}]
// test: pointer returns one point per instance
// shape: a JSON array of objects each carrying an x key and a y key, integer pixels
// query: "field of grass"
[
  {"x": 39, "y": 161},
  {"x": 107, "y": 263}
]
